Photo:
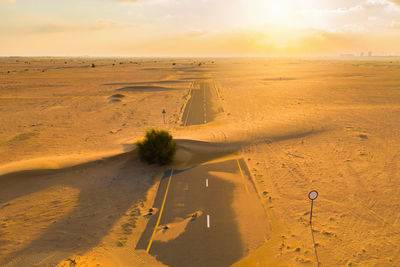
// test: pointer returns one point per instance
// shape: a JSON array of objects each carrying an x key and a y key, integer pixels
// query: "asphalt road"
[
  {"x": 200, "y": 107},
  {"x": 231, "y": 221},
  {"x": 214, "y": 237}
]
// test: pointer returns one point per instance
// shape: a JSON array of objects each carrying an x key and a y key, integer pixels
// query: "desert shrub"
[
  {"x": 93, "y": 66},
  {"x": 157, "y": 147}
]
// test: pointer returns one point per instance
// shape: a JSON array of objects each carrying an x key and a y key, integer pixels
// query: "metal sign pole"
[
  {"x": 163, "y": 113},
  {"x": 312, "y": 202},
  {"x": 312, "y": 195}
]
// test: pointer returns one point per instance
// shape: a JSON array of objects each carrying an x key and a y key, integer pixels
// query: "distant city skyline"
[{"x": 199, "y": 28}]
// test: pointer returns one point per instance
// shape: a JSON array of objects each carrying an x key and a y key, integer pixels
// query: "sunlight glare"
[
  {"x": 261, "y": 12},
  {"x": 276, "y": 12}
]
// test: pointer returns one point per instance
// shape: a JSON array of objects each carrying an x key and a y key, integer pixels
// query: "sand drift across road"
[{"x": 208, "y": 213}]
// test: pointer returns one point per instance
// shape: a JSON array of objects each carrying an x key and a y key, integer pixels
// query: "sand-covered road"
[
  {"x": 202, "y": 210},
  {"x": 201, "y": 207}
]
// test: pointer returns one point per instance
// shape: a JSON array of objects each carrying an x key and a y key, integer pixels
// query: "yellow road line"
[
  {"x": 161, "y": 210},
  {"x": 241, "y": 173},
  {"x": 190, "y": 105}
]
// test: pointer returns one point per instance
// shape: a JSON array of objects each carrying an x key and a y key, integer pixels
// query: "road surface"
[
  {"x": 215, "y": 236},
  {"x": 200, "y": 108},
  {"x": 230, "y": 220}
]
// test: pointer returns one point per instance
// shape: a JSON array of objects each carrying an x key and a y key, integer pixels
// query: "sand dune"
[
  {"x": 279, "y": 79},
  {"x": 79, "y": 207},
  {"x": 144, "y": 88},
  {"x": 99, "y": 203},
  {"x": 70, "y": 188},
  {"x": 194, "y": 78},
  {"x": 148, "y": 82}
]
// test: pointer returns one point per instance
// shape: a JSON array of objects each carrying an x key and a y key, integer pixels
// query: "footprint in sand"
[{"x": 150, "y": 212}]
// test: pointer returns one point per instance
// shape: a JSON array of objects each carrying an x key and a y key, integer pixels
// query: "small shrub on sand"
[
  {"x": 93, "y": 66},
  {"x": 157, "y": 147}
]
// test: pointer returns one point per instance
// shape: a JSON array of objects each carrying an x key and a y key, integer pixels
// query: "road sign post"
[
  {"x": 312, "y": 195},
  {"x": 163, "y": 113}
]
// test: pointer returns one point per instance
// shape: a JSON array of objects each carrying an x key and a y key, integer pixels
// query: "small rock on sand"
[{"x": 363, "y": 136}]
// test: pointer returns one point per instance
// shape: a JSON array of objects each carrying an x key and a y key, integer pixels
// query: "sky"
[{"x": 199, "y": 27}]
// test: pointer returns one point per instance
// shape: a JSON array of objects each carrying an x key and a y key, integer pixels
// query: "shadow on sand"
[
  {"x": 145, "y": 88},
  {"x": 107, "y": 190},
  {"x": 148, "y": 82},
  {"x": 195, "y": 246},
  {"x": 315, "y": 245}
]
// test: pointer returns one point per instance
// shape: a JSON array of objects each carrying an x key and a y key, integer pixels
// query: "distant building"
[
  {"x": 361, "y": 54},
  {"x": 370, "y": 54}
]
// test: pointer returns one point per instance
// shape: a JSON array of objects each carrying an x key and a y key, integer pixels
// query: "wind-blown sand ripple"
[{"x": 144, "y": 89}]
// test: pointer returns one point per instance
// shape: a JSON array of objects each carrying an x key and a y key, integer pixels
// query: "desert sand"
[{"x": 73, "y": 191}]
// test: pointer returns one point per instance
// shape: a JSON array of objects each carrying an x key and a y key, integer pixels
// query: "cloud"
[
  {"x": 138, "y": 1},
  {"x": 62, "y": 27},
  {"x": 191, "y": 28},
  {"x": 369, "y": 4},
  {"x": 375, "y": 3},
  {"x": 395, "y": 24},
  {"x": 358, "y": 8},
  {"x": 195, "y": 33},
  {"x": 267, "y": 42},
  {"x": 338, "y": 11},
  {"x": 306, "y": 42},
  {"x": 397, "y": 2}
]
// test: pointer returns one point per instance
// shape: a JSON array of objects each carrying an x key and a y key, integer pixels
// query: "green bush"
[{"x": 157, "y": 147}]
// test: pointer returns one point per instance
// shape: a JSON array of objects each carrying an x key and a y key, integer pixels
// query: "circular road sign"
[{"x": 313, "y": 195}]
